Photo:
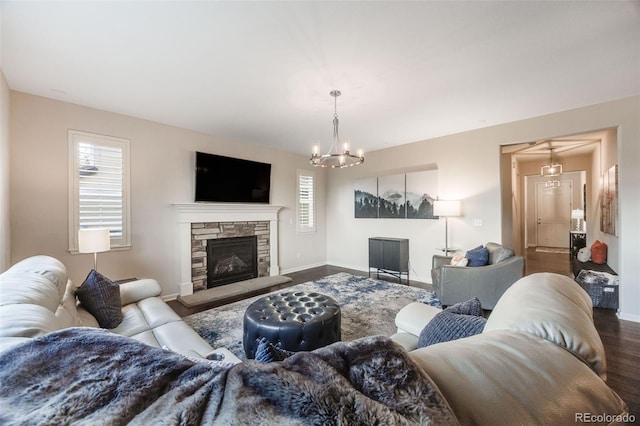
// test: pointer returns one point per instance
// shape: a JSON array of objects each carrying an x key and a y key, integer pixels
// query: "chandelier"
[
  {"x": 335, "y": 158},
  {"x": 551, "y": 169}
]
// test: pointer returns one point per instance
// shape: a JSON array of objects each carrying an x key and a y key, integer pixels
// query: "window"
[
  {"x": 306, "y": 202},
  {"x": 99, "y": 186}
]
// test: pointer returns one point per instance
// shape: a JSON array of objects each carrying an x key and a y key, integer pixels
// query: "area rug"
[
  {"x": 368, "y": 308},
  {"x": 558, "y": 250}
]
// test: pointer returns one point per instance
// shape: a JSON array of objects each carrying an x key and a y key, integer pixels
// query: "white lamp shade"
[
  {"x": 94, "y": 240},
  {"x": 446, "y": 208},
  {"x": 577, "y": 214}
]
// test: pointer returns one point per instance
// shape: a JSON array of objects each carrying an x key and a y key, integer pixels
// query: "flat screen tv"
[{"x": 231, "y": 180}]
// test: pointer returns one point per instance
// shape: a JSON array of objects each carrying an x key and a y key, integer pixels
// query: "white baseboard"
[
  {"x": 169, "y": 297},
  {"x": 628, "y": 317},
  {"x": 301, "y": 268}
]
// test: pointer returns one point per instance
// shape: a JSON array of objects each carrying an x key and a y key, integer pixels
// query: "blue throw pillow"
[
  {"x": 101, "y": 298},
  {"x": 268, "y": 352},
  {"x": 447, "y": 325},
  {"x": 478, "y": 256},
  {"x": 470, "y": 307}
]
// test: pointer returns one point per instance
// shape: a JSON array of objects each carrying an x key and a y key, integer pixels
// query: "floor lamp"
[
  {"x": 446, "y": 209},
  {"x": 94, "y": 240}
]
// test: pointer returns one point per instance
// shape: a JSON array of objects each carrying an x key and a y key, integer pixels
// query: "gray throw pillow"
[
  {"x": 268, "y": 352},
  {"x": 101, "y": 298},
  {"x": 447, "y": 326},
  {"x": 457, "y": 321}
]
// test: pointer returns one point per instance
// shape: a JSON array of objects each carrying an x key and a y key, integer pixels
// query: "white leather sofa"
[
  {"x": 36, "y": 298},
  {"x": 539, "y": 359}
]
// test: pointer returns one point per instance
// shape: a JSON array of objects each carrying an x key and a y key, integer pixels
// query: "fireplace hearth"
[{"x": 231, "y": 259}]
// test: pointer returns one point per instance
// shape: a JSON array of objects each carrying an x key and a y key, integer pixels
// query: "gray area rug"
[{"x": 368, "y": 308}]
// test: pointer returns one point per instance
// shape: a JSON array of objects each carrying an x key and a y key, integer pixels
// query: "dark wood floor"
[{"x": 621, "y": 339}]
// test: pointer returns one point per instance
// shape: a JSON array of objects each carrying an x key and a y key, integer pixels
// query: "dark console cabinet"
[{"x": 389, "y": 255}]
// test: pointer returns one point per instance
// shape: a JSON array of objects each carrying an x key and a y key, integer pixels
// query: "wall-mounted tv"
[{"x": 231, "y": 180}]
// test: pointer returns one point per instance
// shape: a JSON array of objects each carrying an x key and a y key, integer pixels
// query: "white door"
[{"x": 553, "y": 210}]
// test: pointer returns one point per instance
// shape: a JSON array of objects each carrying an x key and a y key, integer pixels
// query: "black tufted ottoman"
[{"x": 294, "y": 321}]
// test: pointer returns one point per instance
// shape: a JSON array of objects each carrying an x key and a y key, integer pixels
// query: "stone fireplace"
[{"x": 200, "y": 223}]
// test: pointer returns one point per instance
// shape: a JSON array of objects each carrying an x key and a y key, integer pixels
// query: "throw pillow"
[
  {"x": 599, "y": 252},
  {"x": 478, "y": 256},
  {"x": 101, "y": 298},
  {"x": 459, "y": 260},
  {"x": 470, "y": 307},
  {"x": 447, "y": 326},
  {"x": 268, "y": 352}
]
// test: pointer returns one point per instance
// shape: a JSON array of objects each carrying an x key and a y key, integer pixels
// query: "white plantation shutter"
[
  {"x": 306, "y": 202},
  {"x": 99, "y": 186}
]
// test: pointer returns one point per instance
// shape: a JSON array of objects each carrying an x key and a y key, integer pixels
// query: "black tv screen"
[{"x": 231, "y": 180}]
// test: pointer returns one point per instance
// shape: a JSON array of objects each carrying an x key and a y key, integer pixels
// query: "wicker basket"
[{"x": 601, "y": 287}]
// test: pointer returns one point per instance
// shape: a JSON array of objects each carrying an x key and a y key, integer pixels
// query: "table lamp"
[
  {"x": 94, "y": 240},
  {"x": 578, "y": 215}
]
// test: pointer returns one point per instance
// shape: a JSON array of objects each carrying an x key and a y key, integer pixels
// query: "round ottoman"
[{"x": 294, "y": 321}]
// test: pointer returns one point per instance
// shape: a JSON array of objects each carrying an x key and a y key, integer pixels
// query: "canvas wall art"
[
  {"x": 401, "y": 196},
  {"x": 366, "y": 198},
  {"x": 609, "y": 201}
]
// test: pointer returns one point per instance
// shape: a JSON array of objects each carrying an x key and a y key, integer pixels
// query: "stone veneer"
[{"x": 203, "y": 231}]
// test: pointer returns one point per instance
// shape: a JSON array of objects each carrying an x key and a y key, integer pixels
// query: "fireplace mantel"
[{"x": 188, "y": 213}]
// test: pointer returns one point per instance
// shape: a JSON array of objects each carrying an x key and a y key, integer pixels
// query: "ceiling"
[{"x": 261, "y": 72}]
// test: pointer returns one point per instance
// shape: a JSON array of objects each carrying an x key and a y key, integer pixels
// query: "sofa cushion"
[
  {"x": 478, "y": 256},
  {"x": 553, "y": 307},
  {"x": 505, "y": 377},
  {"x": 498, "y": 253},
  {"x": 101, "y": 298}
]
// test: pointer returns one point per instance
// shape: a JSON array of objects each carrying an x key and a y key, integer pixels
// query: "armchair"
[{"x": 453, "y": 284}]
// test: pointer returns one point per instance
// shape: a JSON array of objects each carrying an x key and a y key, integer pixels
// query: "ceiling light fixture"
[
  {"x": 335, "y": 158},
  {"x": 551, "y": 169}
]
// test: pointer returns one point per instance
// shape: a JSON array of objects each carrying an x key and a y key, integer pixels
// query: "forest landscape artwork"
[{"x": 401, "y": 196}]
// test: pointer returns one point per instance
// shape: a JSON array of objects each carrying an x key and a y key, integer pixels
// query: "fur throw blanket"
[{"x": 91, "y": 376}]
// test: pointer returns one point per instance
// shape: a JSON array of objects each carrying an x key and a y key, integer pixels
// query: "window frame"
[
  {"x": 300, "y": 227},
  {"x": 75, "y": 138}
]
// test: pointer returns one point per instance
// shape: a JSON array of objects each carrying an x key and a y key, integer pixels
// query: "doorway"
[{"x": 553, "y": 214}]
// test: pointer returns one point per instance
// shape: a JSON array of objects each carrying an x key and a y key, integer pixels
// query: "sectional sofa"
[{"x": 539, "y": 360}]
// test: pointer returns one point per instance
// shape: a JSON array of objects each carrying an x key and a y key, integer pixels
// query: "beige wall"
[
  {"x": 162, "y": 164},
  {"x": 469, "y": 169},
  {"x": 5, "y": 235}
]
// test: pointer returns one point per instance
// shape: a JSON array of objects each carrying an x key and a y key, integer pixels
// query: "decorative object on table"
[
  {"x": 400, "y": 196},
  {"x": 94, "y": 240},
  {"x": 292, "y": 320},
  {"x": 447, "y": 209},
  {"x": 599, "y": 252},
  {"x": 577, "y": 215},
  {"x": 356, "y": 295},
  {"x": 609, "y": 203},
  {"x": 334, "y": 157}
]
